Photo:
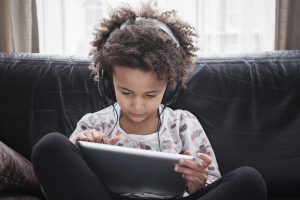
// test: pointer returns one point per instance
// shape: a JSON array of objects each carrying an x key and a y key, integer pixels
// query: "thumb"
[
  {"x": 187, "y": 152},
  {"x": 114, "y": 139}
]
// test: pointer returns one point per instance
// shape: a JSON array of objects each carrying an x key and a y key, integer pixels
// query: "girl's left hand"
[{"x": 195, "y": 173}]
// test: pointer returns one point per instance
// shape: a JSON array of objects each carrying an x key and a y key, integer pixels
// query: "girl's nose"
[{"x": 138, "y": 104}]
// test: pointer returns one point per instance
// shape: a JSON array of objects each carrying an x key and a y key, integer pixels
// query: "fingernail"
[
  {"x": 176, "y": 168},
  {"x": 198, "y": 160}
]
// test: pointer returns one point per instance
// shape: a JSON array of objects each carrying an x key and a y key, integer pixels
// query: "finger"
[
  {"x": 198, "y": 178},
  {"x": 81, "y": 138},
  {"x": 198, "y": 157},
  {"x": 190, "y": 168},
  {"x": 204, "y": 158},
  {"x": 114, "y": 140},
  {"x": 192, "y": 164},
  {"x": 89, "y": 135},
  {"x": 195, "y": 179},
  {"x": 187, "y": 152},
  {"x": 191, "y": 172},
  {"x": 98, "y": 137},
  {"x": 105, "y": 139}
]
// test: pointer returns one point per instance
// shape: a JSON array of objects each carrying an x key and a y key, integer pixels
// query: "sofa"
[{"x": 248, "y": 104}]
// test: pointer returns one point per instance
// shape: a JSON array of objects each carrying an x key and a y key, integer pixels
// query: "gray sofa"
[{"x": 249, "y": 106}]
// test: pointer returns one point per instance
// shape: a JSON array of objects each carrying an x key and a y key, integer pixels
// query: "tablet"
[{"x": 128, "y": 170}]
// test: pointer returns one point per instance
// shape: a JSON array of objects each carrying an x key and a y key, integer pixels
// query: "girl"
[{"x": 141, "y": 60}]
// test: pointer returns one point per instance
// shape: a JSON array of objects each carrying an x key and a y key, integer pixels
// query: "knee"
[
  {"x": 49, "y": 145},
  {"x": 251, "y": 180},
  {"x": 249, "y": 175}
]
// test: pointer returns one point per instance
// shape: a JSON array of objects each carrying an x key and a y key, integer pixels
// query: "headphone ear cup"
[
  {"x": 171, "y": 94},
  {"x": 106, "y": 86},
  {"x": 167, "y": 96}
]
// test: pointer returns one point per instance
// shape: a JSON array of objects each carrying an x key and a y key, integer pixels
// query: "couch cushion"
[
  {"x": 16, "y": 172},
  {"x": 16, "y": 196}
]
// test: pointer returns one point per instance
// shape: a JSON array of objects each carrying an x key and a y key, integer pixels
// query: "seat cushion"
[{"x": 16, "y": 172}]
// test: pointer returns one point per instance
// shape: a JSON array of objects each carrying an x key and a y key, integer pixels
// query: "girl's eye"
[
  {"x": 126, "y": 93},
  {"x": 151, "y": 95}
]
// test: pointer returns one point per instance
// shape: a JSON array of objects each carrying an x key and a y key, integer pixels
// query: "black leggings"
[{"x": 65, "y": 175}]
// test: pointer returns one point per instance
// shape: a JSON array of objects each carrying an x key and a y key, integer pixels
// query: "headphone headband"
[{"x": 149, "y": 21}]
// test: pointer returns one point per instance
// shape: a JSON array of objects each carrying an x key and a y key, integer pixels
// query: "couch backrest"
[
  {"x": 41, "y": 94},
  {"x": 249, "y": 106}
]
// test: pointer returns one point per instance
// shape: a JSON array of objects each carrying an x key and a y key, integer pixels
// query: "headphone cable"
[{"x": 158, "y": 127}]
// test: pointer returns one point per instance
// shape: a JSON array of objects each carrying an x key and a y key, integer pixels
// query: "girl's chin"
[{"x": 137, "y": 118}]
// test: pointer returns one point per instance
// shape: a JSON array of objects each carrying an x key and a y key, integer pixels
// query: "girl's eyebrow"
[{"x": 124, "y": 88}]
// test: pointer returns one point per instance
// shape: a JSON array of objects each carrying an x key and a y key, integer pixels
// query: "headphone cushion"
[
  {"x": 108, "y": 87},
  {"x": 171, "y": 94}
]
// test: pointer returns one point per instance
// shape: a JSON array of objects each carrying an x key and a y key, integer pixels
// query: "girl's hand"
[
  {"x": 93, "y": 135},
  {"x": 195, "y": 173}
]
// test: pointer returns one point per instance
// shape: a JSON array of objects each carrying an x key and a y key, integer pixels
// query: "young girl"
[{"x": 141, "y": 60}]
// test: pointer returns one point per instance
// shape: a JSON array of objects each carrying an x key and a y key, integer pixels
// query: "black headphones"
[{"x": 107, "y": 91}]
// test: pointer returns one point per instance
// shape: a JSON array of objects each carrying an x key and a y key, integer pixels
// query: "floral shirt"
[{"x": 179, "y": 131}]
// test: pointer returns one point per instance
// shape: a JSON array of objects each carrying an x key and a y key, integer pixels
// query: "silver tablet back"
[{"x": 128, "y": 170}]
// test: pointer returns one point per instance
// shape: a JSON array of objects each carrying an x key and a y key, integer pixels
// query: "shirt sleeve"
[
  {"x": 196, "y": 141},
  {"x": 102, "y": 121},
  {"x": 85, "y": 123}
]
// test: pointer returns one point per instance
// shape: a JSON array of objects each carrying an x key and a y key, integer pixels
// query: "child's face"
[{"x": 139, "y": 93}]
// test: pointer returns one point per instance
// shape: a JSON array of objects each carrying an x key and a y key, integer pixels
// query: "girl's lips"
[{"x": 137, "y": 115}]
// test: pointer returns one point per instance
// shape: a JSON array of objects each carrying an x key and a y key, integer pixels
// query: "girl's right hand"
[{"x": 93, "y": 135}]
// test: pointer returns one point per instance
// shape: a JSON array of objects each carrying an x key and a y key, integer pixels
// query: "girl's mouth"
[{"x": 138, "y": 115}]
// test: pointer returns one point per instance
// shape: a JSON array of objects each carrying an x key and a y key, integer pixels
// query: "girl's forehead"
[
  {"x": 133, "y": 76},
  {"x": 128, "y": 72}
]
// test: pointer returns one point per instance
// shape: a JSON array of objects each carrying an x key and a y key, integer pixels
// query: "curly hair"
[{"x": 145, "y": 46}]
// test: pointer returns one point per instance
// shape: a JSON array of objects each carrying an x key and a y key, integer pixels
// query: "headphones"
[{"x": 107, "y": 91}]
